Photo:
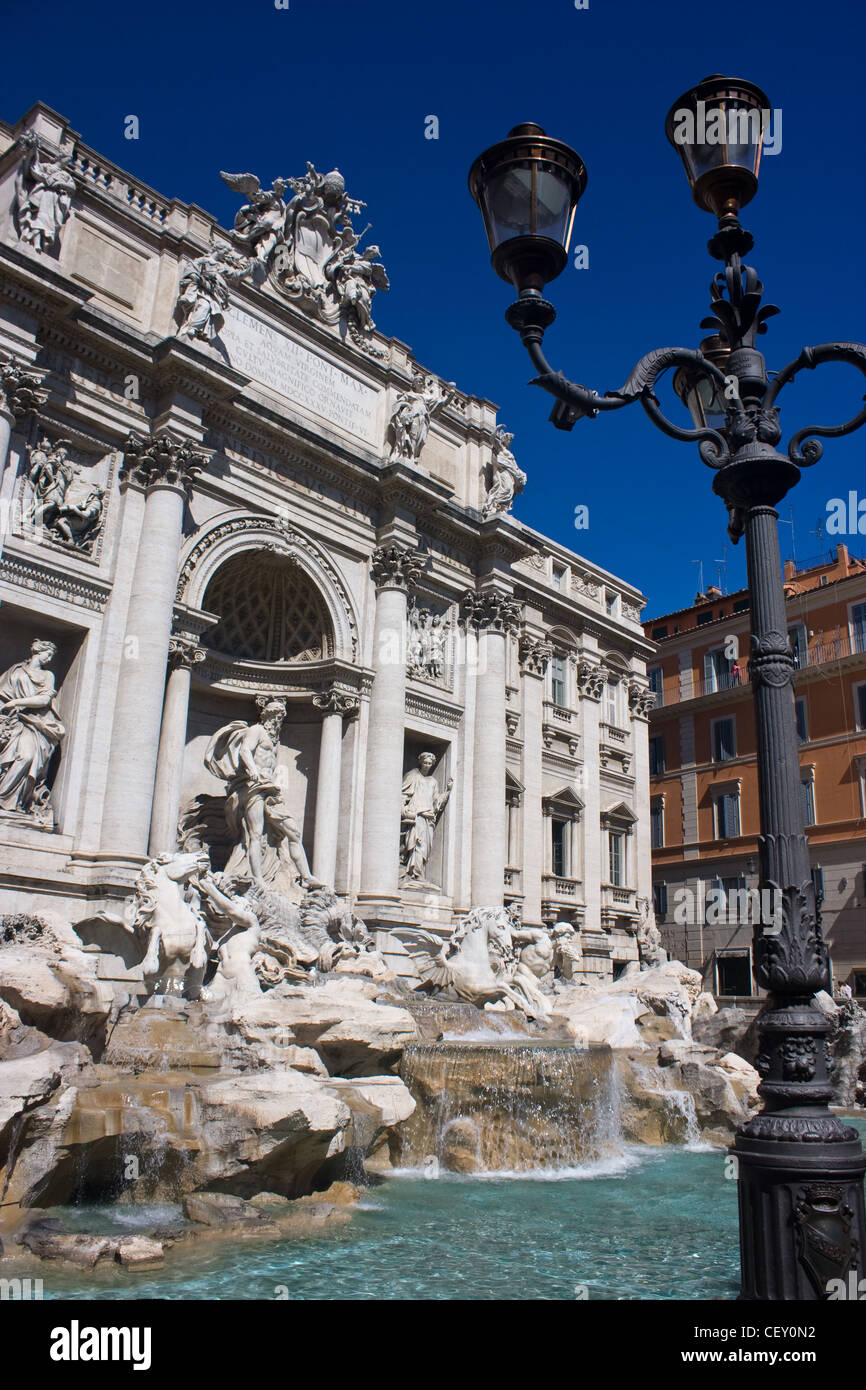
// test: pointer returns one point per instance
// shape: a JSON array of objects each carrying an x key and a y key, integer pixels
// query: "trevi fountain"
[{"x": 326, "y": 929}]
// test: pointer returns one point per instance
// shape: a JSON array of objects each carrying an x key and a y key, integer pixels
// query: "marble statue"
[
  {"x": 235, "y": 933},
  {"x": 164, "y": 914},
  {"x": 309, "y": 245},
  {"x": 30, "y": 731},
  {"x": 423, "y": 804},
  {"x": 259, "y": 224},
  {"x": 357, "y": 278},
  {"x": 44, "y": 188},
  {"x": 410, "y": 419},
  {"x": 649, "y": 938},
  {"x": 478, "y": 962},
  {"x": 427, "y": 637},
  {"x": 203, "y": 292},
  {"x": 61, "y": 497},
  {"x": 568, "y": 956},
  {"x": 508, "y": 478},
  {"x": 268, "y": 849}
]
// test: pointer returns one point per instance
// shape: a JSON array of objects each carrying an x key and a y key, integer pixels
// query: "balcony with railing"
[{"x": 822, "y": 650}]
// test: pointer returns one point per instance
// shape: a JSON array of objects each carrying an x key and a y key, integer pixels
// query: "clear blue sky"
[{"x": 249, "y": 87}]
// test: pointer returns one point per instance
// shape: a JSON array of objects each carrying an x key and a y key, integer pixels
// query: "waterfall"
[{"x": 509, "y": 1106}]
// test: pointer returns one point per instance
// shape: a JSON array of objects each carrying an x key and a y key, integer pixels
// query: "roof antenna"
[{"x": 701, "y": 563}]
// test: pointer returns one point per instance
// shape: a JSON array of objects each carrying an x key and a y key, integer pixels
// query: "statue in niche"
[
  {"x": 428, "y": 632},
  {"x": 30, "y": 731},
  {"x": 508, "y": 478},
  {"x": 43, "y": 195},
  {"x": 423, "y": 804},
  {"x": 203, "y": 292},
  {"x": 62, "y": 498},
  {"x": 260, "y": 222},
  {"x": 268, "y": 849},
  {"x": 410, "y": 420}
]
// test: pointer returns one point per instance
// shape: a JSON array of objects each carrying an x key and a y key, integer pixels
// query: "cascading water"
[{"x": 512, "y": 1106}]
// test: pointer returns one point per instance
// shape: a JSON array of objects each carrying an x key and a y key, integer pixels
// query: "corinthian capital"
[
  {"x": 184, "y": 651},
  {"x": 535, "y": 654},
  {"x": 491, "y": 610},
  {"x": 152, "y": 459},
  {"x": 333, "y": 699},
  {"x": 396, "y": 566},
  {"x": 20, "y": 388}
]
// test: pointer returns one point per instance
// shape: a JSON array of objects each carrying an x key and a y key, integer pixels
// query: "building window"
[
  {"x": 660, "y": 900},
  {"x": 657, "y": 755},
  {"x": 818, "y": 883},
  {"x": 807, "y": 799},
  {"x": 727, "y": 809},
  {"x": 659, "y": 633},
  {"x": 724, "y": 740},
  {"x": 799, "y": 646},
  {"x": 616, "y": 844},
  {"x": 559, "y": 575},
  {"x": 741, "y": 605},
  {"x": 734, "y": 973},
  {"x": 858, "y": 627},
  {"x": 657, "y": 822},
  {"x": 802, "y": 726},
  {"x": 559, "y": 680},
  {"x": 611, "y": 703},
  {"x": 559, "y": 848},
  {"x": 655, "y": 676},
  {"x": 705, "y": 618},
  {"x": 717, "y": 672},
  {"x": 611, "y": 602},
  {"x": 860, "y": 706}
]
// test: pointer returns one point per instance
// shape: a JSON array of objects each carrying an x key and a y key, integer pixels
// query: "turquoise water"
[{"x": 654, "y": 1224}]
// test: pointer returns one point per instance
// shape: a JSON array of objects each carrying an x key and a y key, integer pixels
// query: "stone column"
[
  {"x": 494, "y": 615},
  {"x": 535, "y": 654},
  {"x": 183, "y": 654},
  {"x": 165, "y": 469},
  {"x": 334, "y": 704},
  {"x": 591, "y": 679},
  {"x": 641, "y": 700},
  {"x": 395, "y": 569}
]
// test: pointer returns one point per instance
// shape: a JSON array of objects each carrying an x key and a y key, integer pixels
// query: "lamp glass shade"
[
  {"x": 527, "y": 188},
  {"x": 718, "y": 128},
  {"x": 701, "y": 395}
]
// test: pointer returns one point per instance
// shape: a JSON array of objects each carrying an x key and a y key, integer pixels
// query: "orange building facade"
[{"x": 703, "y": 774}]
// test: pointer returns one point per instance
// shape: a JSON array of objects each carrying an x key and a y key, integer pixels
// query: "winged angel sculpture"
[{"x": 308, "y": 244}]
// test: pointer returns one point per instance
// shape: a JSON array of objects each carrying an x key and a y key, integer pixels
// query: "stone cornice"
[
  {"x": 43, "y": 578},
  {"x": 437, "y": 711}
]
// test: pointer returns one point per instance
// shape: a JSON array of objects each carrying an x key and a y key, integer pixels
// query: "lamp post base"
[{"x": 802, "y": 1218}]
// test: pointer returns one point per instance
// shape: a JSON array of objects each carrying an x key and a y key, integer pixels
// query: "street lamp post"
[{"x": 800, "y": 1169}]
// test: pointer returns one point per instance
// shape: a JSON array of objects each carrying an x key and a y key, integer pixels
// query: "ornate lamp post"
[{"x": 800, "y": 1169}]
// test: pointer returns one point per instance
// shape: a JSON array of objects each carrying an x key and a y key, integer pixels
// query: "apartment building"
[{"x": 703, "y": 774}]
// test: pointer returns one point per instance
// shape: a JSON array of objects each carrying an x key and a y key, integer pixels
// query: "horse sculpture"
[
  {"x": 164, "y": 914},
  {"x": 478, "y": 962}
]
